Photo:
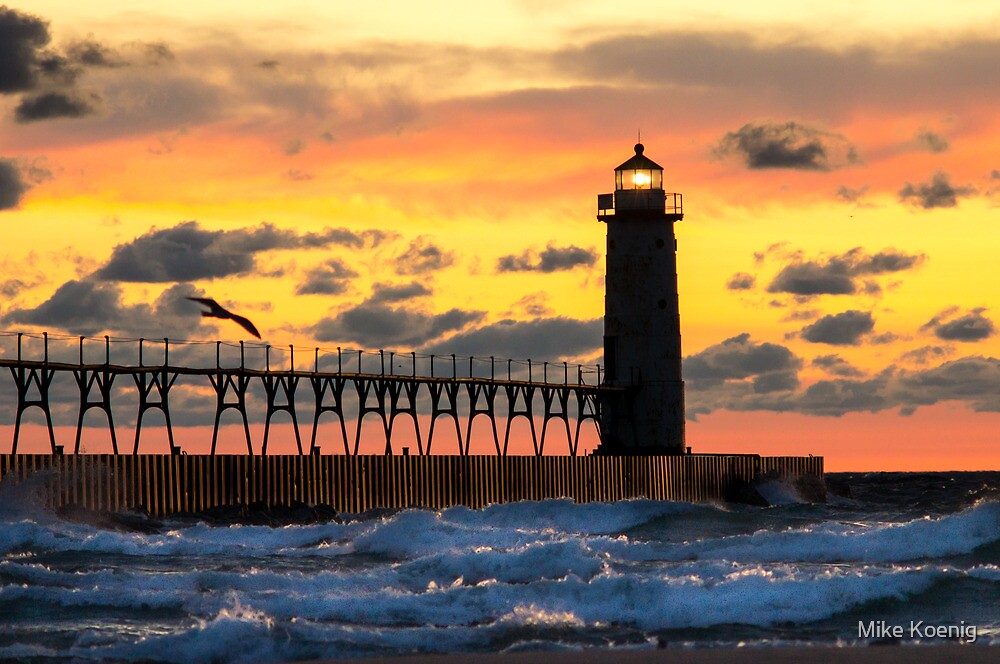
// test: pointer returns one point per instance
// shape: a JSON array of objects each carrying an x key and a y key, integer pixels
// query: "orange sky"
[{"x": 840, "y": 186}]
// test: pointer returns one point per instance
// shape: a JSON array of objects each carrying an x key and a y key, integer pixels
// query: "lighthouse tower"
[{"x": 642, "y": 335}]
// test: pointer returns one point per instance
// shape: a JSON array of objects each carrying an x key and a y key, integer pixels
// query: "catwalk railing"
[{"x": 347, "y": 384}]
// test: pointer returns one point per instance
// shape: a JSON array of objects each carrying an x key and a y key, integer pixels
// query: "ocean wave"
[{"x": 924, "y": 538}]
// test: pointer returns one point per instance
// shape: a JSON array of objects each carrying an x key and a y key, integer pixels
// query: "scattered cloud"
[
  {"x": 835, "y": 365},
  {"x": 22, "y": 38},
  {"x": 52, "y": 105},
  {"x": 90, "y": 307},
  {"x": 971, "y": 326},
  {"x": 551, "y": 259},
  {"x": 93, "y": 54},
  {"x": 928, "y": 140},
  {"x": 188, "y": 251},
  {"x": 293, "y": 147},
  {"x": 540, "y": 339},
  {"x": 741, "y": 281},
  {"x": 298, "y": 176},
  {"x": 740, "y": 358},
  {"x": 422, "y": 257},
  {"x": 373, "y": 325},
  {"x": 383, "y": 293},
  {"x": 843, "y": 329},
  {"x": 938, "y": 193},
  {"x": 330, "y": 278},
  {"x": 926, "y": 354},
  {"x": 532, "y": 304},
  {"x": 838, "y": 275},
  {"x": 849, "y": 195},
  {"x": 789, "y": 145},
  {"x": 12, "y": 184}
]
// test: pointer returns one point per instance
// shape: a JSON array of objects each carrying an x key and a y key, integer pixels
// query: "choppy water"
[{"x": 528, "y": 575}]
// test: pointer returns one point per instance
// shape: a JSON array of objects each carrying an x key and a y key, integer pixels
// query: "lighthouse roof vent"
[{"x": 639, "y": 162}]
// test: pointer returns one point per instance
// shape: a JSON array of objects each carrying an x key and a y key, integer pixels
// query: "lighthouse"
[{"x": 642, "y": 334}]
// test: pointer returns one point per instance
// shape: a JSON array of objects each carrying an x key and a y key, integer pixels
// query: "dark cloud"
[
  {"x": 93, "y": 54},
  {"x": 835, "y": 365},
  {"x": 187, "y": 251},
  {"x": 87, "y": 307},
  {"x": 843, "y": 329},
  {"x": 789, "y": 145},
  {"x": 925, "y": 354},
  {"x": 390, "y": 293},
  {"x": 53, "y": 105},
  {"x": 293, "y": 147},
  {"x": 836, "y": 275},
  {"x": 542, "y": 339},
  {"x": 11, "y": 287},
  {"x": 551, "y": 259},
  {"x": 12, "y": 184},
  {"x": 331, "y": 278},
  {"x": 296, "y": 175},
  {"x": 22, "y": 36},
  {"x": 739, "y": 358},
  {"x": 381, "y": 326},
  {"x": 849, "y": 195},
  {"x": 928, "y": 140},
  {"x": 422, "y": 257},
  {"x": 741, "y": 281},
  {"x": 821, "y": 81},
  {"x": 972, "y": 326},
  {"x": 972, "y": 380},
  {"x": 938, "y": 193}
]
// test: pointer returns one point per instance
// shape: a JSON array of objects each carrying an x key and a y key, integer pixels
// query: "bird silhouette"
[{"x": 216, "y": 310}]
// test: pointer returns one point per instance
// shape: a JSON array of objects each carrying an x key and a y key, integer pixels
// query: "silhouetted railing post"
[
  {"x": 545, "y": 372},
  {"x": 471, "y": 358},
  {"x": 218, "y": 346},
  {"x": 166, "y": 351},
  {"x": 359, "y": 360},
  {"x": 454, "y": 367},
  {"x": 599, "y": 375},
  {"x": 45, "y": 343},
  {"x": 413, "y": 356},
  {"x": 529, "y": 370},
  {"x": 316, "y": 362},
  {"x": 81, "y": 353},
  {"x": 565, "y": 374},
  {"x": 267, "y": 357},
  {"x": 392, "y": 363},
  {"x": 107, "y": 350},
  {"x": 291, "y": 358},
  {"x": 508, "y": 369},
  {"x": 140, "y": 349},
  {"x": 19, "y": 335},
  {"x": 243, "y": 356},
  {"x": 381, "y": 360}
]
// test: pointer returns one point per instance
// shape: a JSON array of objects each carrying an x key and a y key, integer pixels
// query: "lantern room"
[
  {"x": 639, "y": 188},
  {"x": 639, "y": 172}
]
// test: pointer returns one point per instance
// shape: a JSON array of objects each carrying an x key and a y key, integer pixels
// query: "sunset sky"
[{"x": 423, "y": 176}]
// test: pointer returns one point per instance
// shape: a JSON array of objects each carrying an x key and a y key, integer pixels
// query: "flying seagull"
[{"x": 216, "y": 310}]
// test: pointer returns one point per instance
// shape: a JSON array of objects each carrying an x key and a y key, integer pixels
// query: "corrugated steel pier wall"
[{"x": 167, "y": 484}]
